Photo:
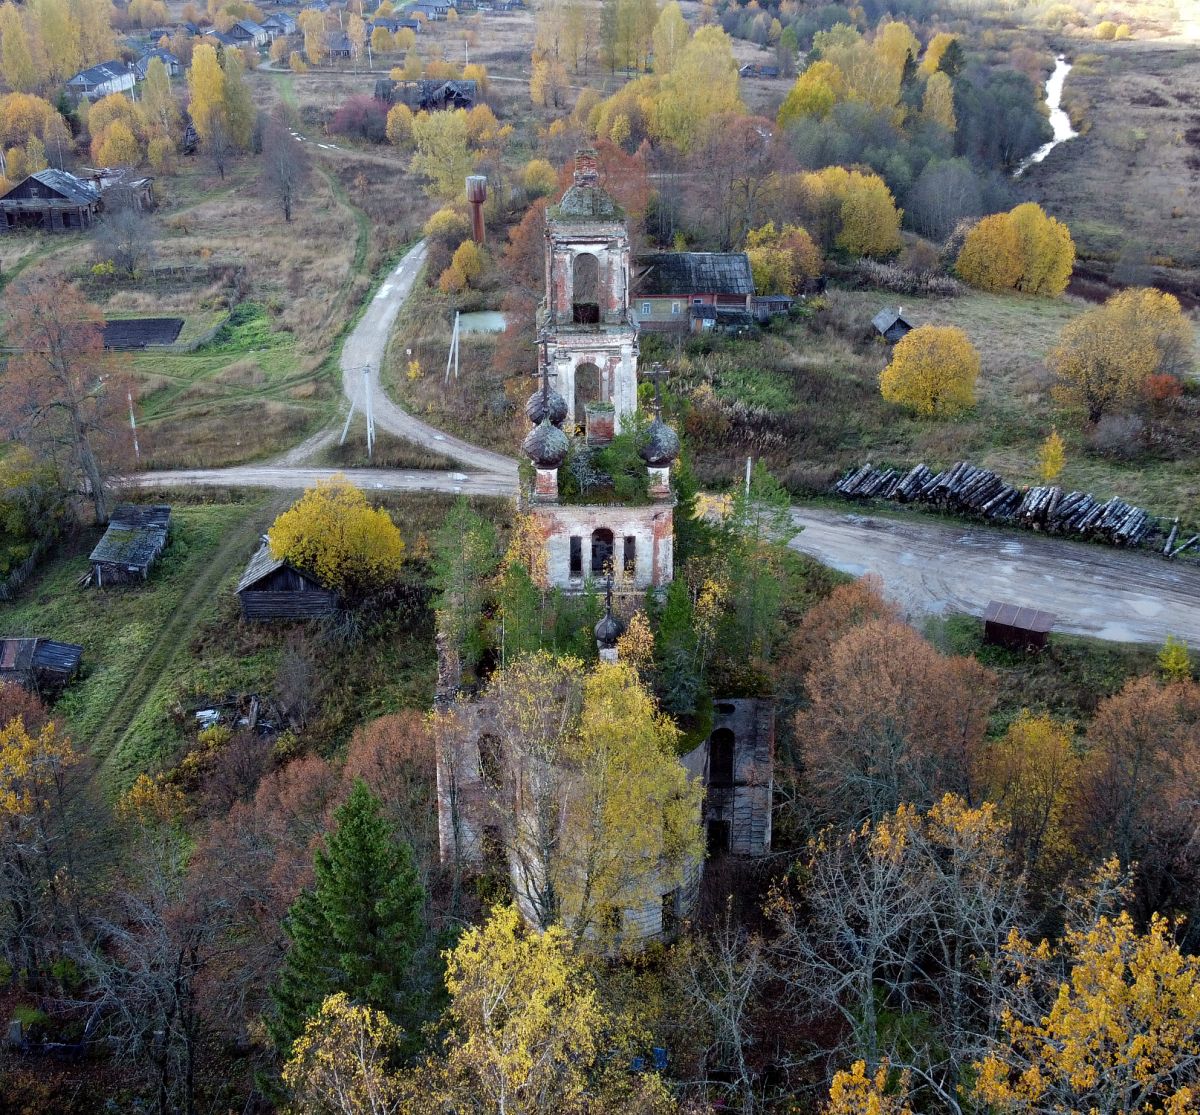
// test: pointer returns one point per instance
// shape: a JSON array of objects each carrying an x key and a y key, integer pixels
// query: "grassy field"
[
  {"x": 1129, "y": 180},
  {"x": 1068, "y": 679},
  {"x": 154, "y": 653},
  {"x": 136, "y": 638},
  {"x": 805, "y": 397}
]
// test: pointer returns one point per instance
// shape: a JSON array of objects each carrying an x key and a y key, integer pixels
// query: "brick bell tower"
[
  {"x": 588, "y": 340},
  {"x": 588, "y": 362}
]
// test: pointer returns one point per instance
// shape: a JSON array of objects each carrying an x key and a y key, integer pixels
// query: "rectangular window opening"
[
  {"x": 674, "y": 307},
  {"x": 630, "y": 555},
  {"x": 646, "y": 308},
  {"x": 670, "y": 912},
  {"x": 576, "y": 556}
]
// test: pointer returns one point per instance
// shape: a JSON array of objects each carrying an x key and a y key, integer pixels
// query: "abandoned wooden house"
[
  {"x": 50, "y": 201},
  {"x": 134, "y": 541},
  {"x": 279, "y": 25},
  {"x": 767, "y": 306},
  {"x": 682, "y": 292},
  {"x": 891, "y": 324},
  {"x": 101, "y": 80},
  {"x": 426, "y": 94},
  {"x": 40, "y": 665},
  {"x": 272, "y": 588}
]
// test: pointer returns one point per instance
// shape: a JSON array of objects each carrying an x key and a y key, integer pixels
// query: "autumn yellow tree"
[
  {"x": 16, "y": 57},
  {"x": 933, "y": 372},
  {"x": 671, "y": 34},
  {"x": 934, "y": 51},
  {"x": 1105, "y": 356},
  {"x": 528, "y": 1031},
  {"x": 1120, "y": 1033},
  {"x": 937, "y": 103},
  {"x": 854, "y": 1091},
  {"x": 1052, "y": 457},
  {"x": 1174, "y": 662},
  {"x": 865, "y": 220},
  {"x": 814, "y": 93},
  {"x": 1031, "y": 773},
  {"x": 443, "y": 155},
  {"x": 342, "y": 1063},
  {"x": 1022, "y": 250},
  {"x": 596, "y": 812},
  {"x": 35, "y": 761},
  {"x": 702, "y": 85},
  {"x": 400, "y": 125},
  {"x": 781, "y": 260},
  {"x": 333, "y": 532}
]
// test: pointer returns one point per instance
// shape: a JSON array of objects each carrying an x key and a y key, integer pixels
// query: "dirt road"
[
  {"x": 365, "y": 346},
  {"x": 296, "y": 478},
  {"x": 930, "y": 568}
]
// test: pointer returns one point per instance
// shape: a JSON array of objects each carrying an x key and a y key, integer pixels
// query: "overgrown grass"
[
  {"x": 1068, "y": 679},
  {"x": 118, "y": 626}
]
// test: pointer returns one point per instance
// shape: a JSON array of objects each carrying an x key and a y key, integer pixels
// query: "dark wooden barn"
[
  {"x": 427, "y": 94},
  {"x": 51, "y": 201},
  {"x": 1016, "y": 627},
  {"x": 133, "y": 542},
  {"x": 272, "y": 588},
  {"x": 41, "y": 665},
  {"x": 891, "y": 324}
]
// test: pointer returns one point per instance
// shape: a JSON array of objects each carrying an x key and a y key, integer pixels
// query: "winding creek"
[{"x": 1059, "y": 120}]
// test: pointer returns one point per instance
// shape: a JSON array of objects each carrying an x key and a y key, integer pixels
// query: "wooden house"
[
  {"x": 272, "y": 588},
  {"x": 101, "y": 80},
  {"x": 248, "y": 33},
  {"x": 49, "y": 200},
  {"x": 280, "y": 24},
  {"x": 672, "y": 286},
  {"x": 133, "y": 542},
  {"x": 891, "y": 324},
  {"x": 41, "y": 665},
  {"x": 427, "y": 94},
  {"x": 142, "y": 65}
]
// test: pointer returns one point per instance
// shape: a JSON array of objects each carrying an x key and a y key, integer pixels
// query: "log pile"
[{"x": 968, "y": 490}]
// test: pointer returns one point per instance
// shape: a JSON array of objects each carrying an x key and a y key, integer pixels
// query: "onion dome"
[
  {"x": 546, "y": 403},
  {"x": 662, "y": 445},
  {"x": 609, "y": 629},
  {"x": 546, "y": 445}
]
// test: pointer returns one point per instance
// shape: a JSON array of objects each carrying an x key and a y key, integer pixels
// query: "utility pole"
[
  {"x": 369, "y": 412},
  {"x": 452, "y": 355},
  {"x": 137, "y": 452}
]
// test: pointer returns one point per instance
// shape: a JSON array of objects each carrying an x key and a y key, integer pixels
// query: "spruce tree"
[{"x": 358, "y": 927}]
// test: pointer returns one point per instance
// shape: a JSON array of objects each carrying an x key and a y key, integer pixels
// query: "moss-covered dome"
[
  {"x": 662, "y": 445},
  {"x": 549, "y": 404},
  {"x": 546, "y": 445}
]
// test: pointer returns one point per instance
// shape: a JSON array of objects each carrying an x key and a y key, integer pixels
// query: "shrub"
[
  {"x": 539, "y": 178},
  {"x": 1117, "y": 435},
  {"x": 1021, "y": 250},
  {"x": 1106, "y": 30},
  {"x": 447, "y": 226},
  {"x": 399, "y": 126},
  {"x": 361, "y": 118},
  {"x": 933, "y": 371}
]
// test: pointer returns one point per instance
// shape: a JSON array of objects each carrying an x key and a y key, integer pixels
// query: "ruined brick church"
[{"x": 588, "y": 357}]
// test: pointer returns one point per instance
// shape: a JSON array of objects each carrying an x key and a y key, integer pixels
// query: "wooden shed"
[
  {"x": 272, "y": 588},
  {"x": 1016, "y": 627},
  {"x": 891, "y": 324},
  {"x": 41, "y": 665},
  {"x": 51, "y": 201},
  {"x": 135, "y": 538}
]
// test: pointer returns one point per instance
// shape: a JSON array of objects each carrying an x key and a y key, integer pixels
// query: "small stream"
[{"x": 1059, "y": 120}]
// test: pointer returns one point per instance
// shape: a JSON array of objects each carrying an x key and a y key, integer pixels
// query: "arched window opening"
[
  {"x": 602, "y": 551},
  {"x": 720, "y": 758},
  {"x": 587, "y": 388},
  {"x": 585, "y": 290}
]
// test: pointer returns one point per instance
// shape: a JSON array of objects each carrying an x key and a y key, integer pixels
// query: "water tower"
[{"x": 476, "y": 196}]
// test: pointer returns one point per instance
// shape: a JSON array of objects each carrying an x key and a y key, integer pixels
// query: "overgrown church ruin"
[{"x": 594, "y": 538}]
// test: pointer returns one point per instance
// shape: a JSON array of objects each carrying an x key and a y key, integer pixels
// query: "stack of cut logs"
[{"x": 965, "y": 489}]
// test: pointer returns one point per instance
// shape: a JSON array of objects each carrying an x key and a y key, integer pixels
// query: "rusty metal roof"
[{"x": 1019, "y": 616}]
